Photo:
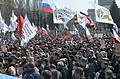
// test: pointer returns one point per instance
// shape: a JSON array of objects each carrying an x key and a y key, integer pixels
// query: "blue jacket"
[{"x": 33, "y": 74}]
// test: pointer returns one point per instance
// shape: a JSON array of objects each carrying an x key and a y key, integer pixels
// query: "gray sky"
[{"x": 77, "y": 5}]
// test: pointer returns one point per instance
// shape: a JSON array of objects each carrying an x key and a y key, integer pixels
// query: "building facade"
[
  {"x": 105, "y": 3},
  {"x": 91, "y": 13}
]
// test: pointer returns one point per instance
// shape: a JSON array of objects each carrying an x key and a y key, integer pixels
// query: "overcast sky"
[{"x": 77, "y": 5}]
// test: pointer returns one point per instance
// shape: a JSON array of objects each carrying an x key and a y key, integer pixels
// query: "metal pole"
[{"x": 39, "y": 10}]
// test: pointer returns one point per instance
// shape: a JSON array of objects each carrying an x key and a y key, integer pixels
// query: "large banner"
[
  {"x": 56, "y": 19},
  {"x": 103, "y": 15},
  {"x": 63, "y": 15}
]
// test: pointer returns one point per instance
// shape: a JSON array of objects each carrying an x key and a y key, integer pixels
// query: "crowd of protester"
[{"x": 46, "y": 58}]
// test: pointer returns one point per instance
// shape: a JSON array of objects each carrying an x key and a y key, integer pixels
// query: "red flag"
[{"x": 20, "y": 25}]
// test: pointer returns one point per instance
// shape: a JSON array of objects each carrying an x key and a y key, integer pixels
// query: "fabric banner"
[
  {"x": 56, "y": 19},
  {"x": 63, "y": 15},
  {"x": 103, "y": 15},
  {"x": 28, "y": 30}
]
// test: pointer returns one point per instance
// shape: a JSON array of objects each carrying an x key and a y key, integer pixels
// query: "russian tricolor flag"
[
  {"x": 44, "y": 31},
  {"x": 116, "y": 36},
  {"x": 89, "y": 35},
  {"x": 112, "y": 38},
  {"x": 46, "y": 7}
]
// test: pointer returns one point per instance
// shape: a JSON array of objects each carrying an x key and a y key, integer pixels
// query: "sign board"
[{"x": 117, "y": 49}]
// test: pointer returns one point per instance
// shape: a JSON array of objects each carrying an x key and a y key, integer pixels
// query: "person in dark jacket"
[
  {"x": 31, "y": 72},
  {"x": 101, "y": 74},
  {"x": 70, "y": 67}
]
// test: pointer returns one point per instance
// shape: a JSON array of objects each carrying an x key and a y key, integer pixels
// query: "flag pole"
[
  {"x": 95, "y": 3},
  {"x": 39, "y": 10},
  {"x": 56, "y": 31}
]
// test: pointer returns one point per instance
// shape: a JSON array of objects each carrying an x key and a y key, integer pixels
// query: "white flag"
[
  {"x": 13, "y": 23},
  {"x": 28, "y": 30},
  {"x": 55, "y": 16},
  {"x": 35, "y": 28},
  {"x": 3, "y": 26},
  {"x": 56, "y": 19},
  {"x": 1, "y": 19}
]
